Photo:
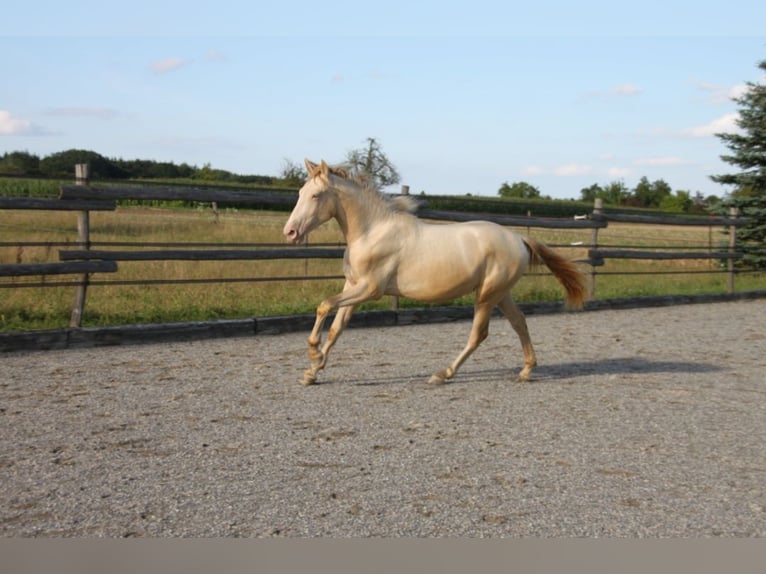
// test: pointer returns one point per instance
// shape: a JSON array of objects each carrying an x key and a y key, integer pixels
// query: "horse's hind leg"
[
  {"x": 519, "y": 324},
  {"x": 479, "y": 331}
]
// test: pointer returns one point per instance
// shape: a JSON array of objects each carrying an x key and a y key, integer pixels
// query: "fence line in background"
[{"x": 83, "y": 198}]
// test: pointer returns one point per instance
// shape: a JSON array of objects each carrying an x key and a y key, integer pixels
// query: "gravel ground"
[{"x": 638, "y": 423}]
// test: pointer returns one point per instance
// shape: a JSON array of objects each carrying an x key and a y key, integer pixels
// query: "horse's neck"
[{"x": 356, "y": 213}]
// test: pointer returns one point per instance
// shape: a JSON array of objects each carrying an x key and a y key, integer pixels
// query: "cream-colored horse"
[{"x": 392, "y": 252}]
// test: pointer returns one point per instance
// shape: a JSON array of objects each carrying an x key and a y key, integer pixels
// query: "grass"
[
  {"x": 30, "y": 308},
  {"x": 29, "y": 187}
]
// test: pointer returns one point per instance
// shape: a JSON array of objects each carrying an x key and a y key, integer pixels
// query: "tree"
[
  {"x": 614, "y": 193},
  {"x": 19, "y": 163},
  {"x": 62, "y": 164},
  {"x": 292, "y": 173},
  {"x": 651, "y": 194},
  {"x": 748, "y": 152},
  {"x": 679, "y": 201},
  {"x": 370, "y": 162},
  {"x": 591, "y": 193},
  {"x": 518, "y": 190}
]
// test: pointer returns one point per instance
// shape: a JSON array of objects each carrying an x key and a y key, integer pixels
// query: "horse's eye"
[{"x": 315, "y": 196}]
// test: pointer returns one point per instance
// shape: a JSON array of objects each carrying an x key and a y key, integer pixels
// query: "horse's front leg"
[
  {"x": 351, "y": 296},
  {"x": 317, "y": 356}
]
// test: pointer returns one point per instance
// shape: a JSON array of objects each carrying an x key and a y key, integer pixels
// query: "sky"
[{"x": 462, "y": 96}]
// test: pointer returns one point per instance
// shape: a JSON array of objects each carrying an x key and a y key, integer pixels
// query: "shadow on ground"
[{"x": 550, "y": 372}]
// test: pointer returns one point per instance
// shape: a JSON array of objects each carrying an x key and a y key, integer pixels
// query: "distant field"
[
  {"x": 29, "y": 187},
  {"x": 23, "y": 308}
]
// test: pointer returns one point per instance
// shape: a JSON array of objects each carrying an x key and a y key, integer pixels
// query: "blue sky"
[{"x": 461, "y": 96}]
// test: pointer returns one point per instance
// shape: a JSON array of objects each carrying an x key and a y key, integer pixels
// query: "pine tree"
[{"x": 748, "y": 152}]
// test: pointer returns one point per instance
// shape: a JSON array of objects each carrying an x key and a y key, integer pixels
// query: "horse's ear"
[
  {"x": 325, "y": 169},
  {"x": 311, "y": 167}
]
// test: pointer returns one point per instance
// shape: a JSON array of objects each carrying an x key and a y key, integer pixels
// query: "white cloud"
[
  {"x": 168, "y": 65},
  {"x": 625, "y": 90},
  {"x": 571, "y": 169},
  {"x": 10, "y": 126},
  {"x": 725, "y": 124},
  {"x": 738, "y": 91},
  {"x": 533, "y": 170},
  {"x": 722, "y": 94}
]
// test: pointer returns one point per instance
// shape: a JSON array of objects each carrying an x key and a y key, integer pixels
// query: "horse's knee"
[{"x": 324, "y": 308}]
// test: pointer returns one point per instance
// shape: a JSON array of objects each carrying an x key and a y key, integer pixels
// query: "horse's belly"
[{"x": 433, "y": 283}]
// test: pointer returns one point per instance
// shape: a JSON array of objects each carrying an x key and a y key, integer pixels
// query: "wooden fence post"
[
  {"x": 598, "y": 206},
  {"x": 82, "y": 175},
  {"x": 733, "y": 214},
  {"x": 395, "y": 298}
]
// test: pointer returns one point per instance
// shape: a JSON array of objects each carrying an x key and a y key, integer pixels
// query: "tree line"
[
  {"x": 649, "y": 194},
  {"x": 61, "y": 165},
  {"x": 369, "y": 162}
]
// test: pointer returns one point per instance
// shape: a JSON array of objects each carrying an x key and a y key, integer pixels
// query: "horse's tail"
[{"x": 567, "y": 273}]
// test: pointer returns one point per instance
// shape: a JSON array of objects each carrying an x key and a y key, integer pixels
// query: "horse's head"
[{"x": 315, "y": 205}]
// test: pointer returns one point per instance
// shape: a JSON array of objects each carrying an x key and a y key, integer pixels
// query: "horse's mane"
[{"x": 393, "y": 203}]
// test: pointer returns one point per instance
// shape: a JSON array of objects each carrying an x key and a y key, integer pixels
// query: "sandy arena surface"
[{"x": 638, "y": 423}]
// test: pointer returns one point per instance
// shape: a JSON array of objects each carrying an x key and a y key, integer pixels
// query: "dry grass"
[{"x": 38, "y": 307}]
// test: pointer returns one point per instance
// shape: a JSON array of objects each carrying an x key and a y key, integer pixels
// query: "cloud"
[
  {"x": 168, "y": 65},
  {"x": 725, "y": 124},
  {"x": 10, "y": 126},
  {"x": 533, "y": 170},
  {"x": 85, "y": 112},
  {"x": 722, "y": 94},
  {"x": 572, "y": 169},
  {"x": 625, "y": 90}
]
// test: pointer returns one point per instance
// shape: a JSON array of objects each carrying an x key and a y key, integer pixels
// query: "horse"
[{"x": 390, "y": 251}]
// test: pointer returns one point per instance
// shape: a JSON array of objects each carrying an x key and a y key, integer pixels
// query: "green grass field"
[{"x": 29, "y": 308}]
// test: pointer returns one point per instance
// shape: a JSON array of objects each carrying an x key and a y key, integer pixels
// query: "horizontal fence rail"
[
  {"x": 57, "y": 204},
  {"x": 205, "y": 254},
  {"x": 601, "y": 254},
  {"x": 665, "y": 220},
  {"x": 510, "y": 221},
  {"x": 25, "y": 269},
  {"x": 85, "y": 260}
]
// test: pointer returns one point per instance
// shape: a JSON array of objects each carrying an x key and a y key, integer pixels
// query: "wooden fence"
[{"x": 83, "y": 198}]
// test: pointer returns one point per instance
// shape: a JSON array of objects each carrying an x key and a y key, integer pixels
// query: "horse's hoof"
[
  {"x": 308, "y": 378},
  {"x": 437, "y": 380}
]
